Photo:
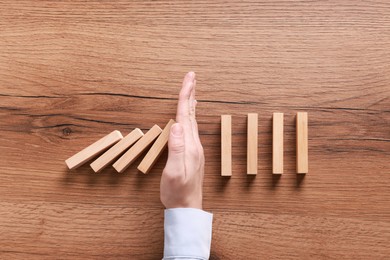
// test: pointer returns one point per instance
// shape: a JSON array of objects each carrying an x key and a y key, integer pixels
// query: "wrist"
[{"x": 195, "y": 204}]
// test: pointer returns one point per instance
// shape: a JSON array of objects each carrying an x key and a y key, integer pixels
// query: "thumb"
[{"x": 176, "y": 147}]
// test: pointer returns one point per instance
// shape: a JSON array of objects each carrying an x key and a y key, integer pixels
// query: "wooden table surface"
[{"x": 73, "y": 71}]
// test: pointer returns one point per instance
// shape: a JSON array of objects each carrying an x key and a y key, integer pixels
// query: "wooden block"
[
  {"x": 277, "y": 143},
  {"x": 156, "y": 150},
  {"x": 226, "y": 145},
  {"x": 302, "y": 143},
  {"x": 115, "y": 151},
  {"x": 252, "y": 141},
  {"x": 93, "y": 150},
  {"x": 136, "y": 150}
]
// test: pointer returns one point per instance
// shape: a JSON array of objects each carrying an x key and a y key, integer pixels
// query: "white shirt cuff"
[{"x": 187, "y": 233}]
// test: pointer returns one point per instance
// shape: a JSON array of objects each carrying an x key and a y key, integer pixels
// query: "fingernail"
[
  {"x": 191, "y": 75},
  {"x": 177, "y": 130}
]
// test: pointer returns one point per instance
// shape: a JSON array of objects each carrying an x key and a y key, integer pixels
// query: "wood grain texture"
[{"x": 72, "y": 71}]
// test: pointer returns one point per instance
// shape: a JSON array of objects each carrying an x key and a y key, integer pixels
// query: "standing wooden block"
[
  {"x": 156, "y": 150},
  {"x": 93, "y": 150},
  {"x": 115, "y": 151},
  {"x": 277, "y": 143},
  {"x": 252, "y": 141},
  {"x": 136, "y": 150},
  {"x": 302, "y": 143},
  {"x": 226, "y": 145}
]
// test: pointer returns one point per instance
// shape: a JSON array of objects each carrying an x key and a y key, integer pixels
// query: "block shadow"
[{"x": 300, "y": 180}]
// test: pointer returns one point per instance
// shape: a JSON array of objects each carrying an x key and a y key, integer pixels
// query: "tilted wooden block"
[
  {"x": 156, "y": 150},
  {"x": 93, "y": 150},
  {"x": 277, "y": 143},
  {"x": 226, "y": 145},
  {"x": 136, "y": 150},
  {"x": 252, "y": 144},
  {"x": 115, "y": 151},
  {"x": 302, "y": 143}
]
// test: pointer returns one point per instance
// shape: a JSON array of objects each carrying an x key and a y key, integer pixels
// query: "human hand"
[{"x": 182, "y": 178}]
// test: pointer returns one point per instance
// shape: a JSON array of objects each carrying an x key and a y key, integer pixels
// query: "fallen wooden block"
[
  {"x": 277, "y": 143},
  {"x": 302, "y": 143},
  {"x": 136, "y": 150},
  {"x": 252, "y": 144},
  {"x": 115, "y": 151},
  {"x": 226, "y": 145},
  {"x": 156, "y": 150},
  {"x": 93, "y": 150}
]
